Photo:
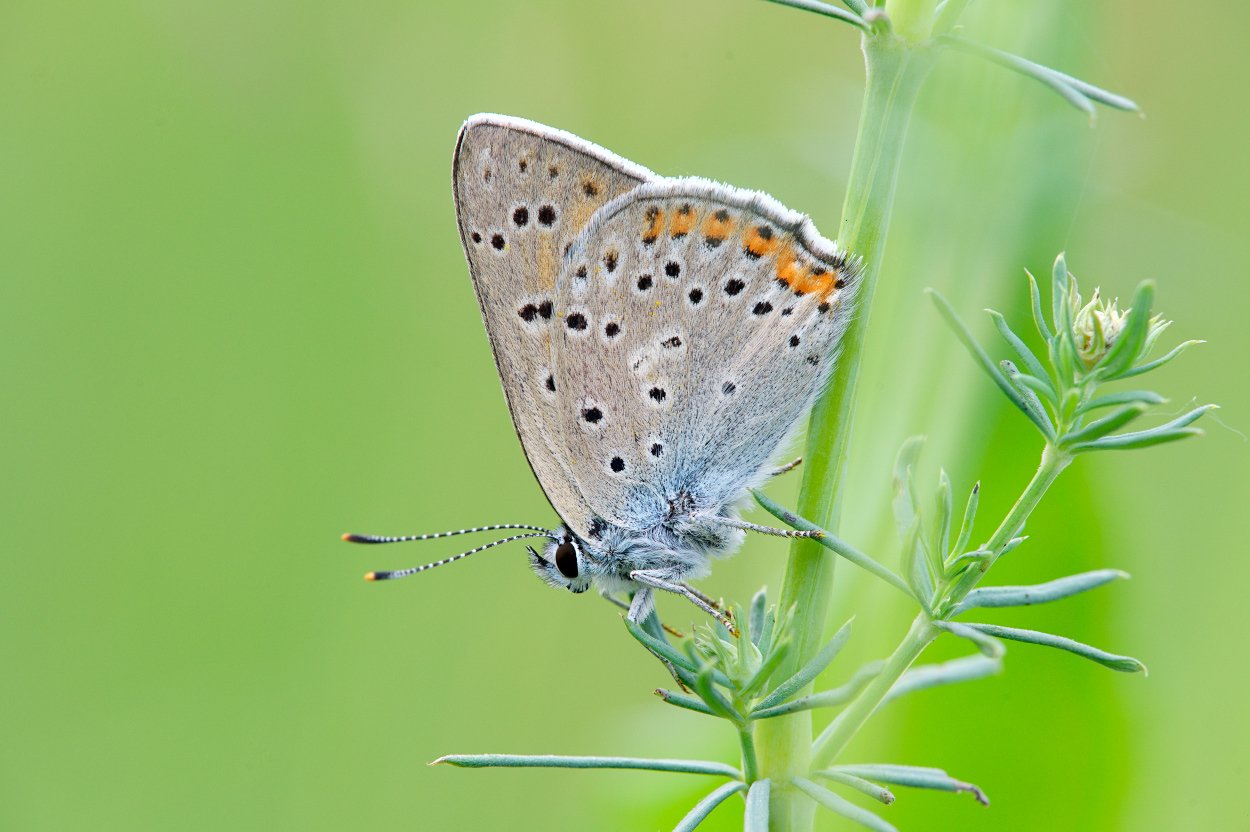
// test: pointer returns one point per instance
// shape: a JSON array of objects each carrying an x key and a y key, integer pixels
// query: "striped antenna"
[
  {"x": 376, "y": 538},
  {"x": 404, "y": 573}
]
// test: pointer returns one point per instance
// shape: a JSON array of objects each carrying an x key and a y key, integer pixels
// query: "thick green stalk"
[
  {"x": 895, "y": 72},
  {"x": 922, "y": 633},
  {"x": 912, "y": 19}
]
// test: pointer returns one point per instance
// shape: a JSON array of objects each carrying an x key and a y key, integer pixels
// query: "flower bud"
[{"x": 1097, "y": 324}]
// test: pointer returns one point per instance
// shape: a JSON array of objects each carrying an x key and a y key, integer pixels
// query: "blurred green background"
[{"x": 236, "y": 323}]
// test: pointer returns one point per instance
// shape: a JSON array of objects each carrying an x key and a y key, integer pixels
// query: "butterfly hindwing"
[
  {"x": 523, "y": 192},
  {"x": 696, "y": 322}
]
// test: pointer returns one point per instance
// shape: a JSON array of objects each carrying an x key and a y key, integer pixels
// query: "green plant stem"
[
  {"x": 750, "y": 762},
  {"x": 834, "y": 738},
  {"x": 895, "y": 73},
  {"x": 842, "y": 730},
  {"x": 912, "y": 19},
  {"x": 1052, "y": 464}
]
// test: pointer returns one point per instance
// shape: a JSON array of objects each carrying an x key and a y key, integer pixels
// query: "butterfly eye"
[{"x": 566, "y": 559}]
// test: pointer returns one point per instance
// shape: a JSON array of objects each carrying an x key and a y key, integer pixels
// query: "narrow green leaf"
[
  {"x": 1146, "y": 397},
  {"x": 771, "y": 662},
  {"x": 1125, "y": 664},
  {"x": 768, "y": 633},
  {"x": 1034, "y": 408},
  {"x": 968, "y": 558},
  {"x": 1169, "y": 432},
  {"x": 942, "y": 538},
  {"x": 1159, "y": 362},
  {"x": 712, "y": 697},
  {"x": 1078, "y": 93},
  {"x": 826, "y": 10},
  {"x": 1152, "y": 337},
  {"x": 692, "y": 652},
  {"x": 917, "y": 777},
  {"x": 814, "y": 667},
  {"x": 1031, "y": 361},
  {"x": 680, "y": 675},
  {"x": 1101, "y": 427},
  {"x": 714, "y": 640},
  {"x": 989, "y": 646},
  {"x": 1128, "y": 346},
  {"x": 1110, "y": 99},
  {"x": 1023, "y": 596},
  {"x": 554, "y": 761},
  {"x": 833, "y": 543},
  {"x": 683, "y": 700},
  {"x": 1039, "y": 319},
  {"x": 970, "y": 516},
  {"x": 842, "y": 806},
  {"x": 947, "y": 14},
  {"x": 755, "y": 622},
  {"x": 873, "y": 790},
  {"x": 905, "y": 504},
  {"x": 684, "y": 667},
  {"x": 1060, "y": 301},
  {"x": 756, "y": 819},
  {"x": 1011, "y": 545},
  {"x": 963, "y": 669},
  {"x": 1132, "y": 441},
  {"x": 652, "y": 626},
  {"x": 1063, "y": 357},
  {"x": 826, "y": 698},
  {"x": 747, "y": 651},
  {"x": 916, "y": 567},
  {"x": 662, "y": 650},
  {"x": 1041, "y": 387},
  {"x": 707, "y": 805},
  {"x": 979, "y": 355}
]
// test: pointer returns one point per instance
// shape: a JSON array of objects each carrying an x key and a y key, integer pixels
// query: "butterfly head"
[{"x": 563, "y": 563}]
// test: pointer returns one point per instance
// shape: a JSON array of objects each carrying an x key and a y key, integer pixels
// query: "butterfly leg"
[
  {"x": 716, "y": 605},
  {"x": 650, "y": 579},
  {"x": 787, "y": 468},
  {"x": 755, "y": 527},
  {"x": 612, "y": 599}
]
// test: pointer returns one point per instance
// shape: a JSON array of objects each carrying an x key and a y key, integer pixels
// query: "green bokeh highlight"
[{"x": 235, "y": 322}]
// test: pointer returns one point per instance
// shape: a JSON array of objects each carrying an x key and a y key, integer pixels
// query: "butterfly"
[{"x": 659, "y": 341}]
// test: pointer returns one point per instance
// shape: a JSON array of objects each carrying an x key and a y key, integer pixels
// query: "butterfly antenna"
[
  {"x": 404, "y": 573},
  {"x": 377, "y": 538}
]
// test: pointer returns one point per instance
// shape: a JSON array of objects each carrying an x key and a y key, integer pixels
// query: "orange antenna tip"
[{"x": 371, "y": 576}]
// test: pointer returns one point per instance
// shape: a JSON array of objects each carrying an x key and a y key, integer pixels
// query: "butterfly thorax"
[{"x": 680, "y": 548}]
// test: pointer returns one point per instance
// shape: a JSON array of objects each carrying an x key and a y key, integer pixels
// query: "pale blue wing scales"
[{"x": 523, "y": 192}]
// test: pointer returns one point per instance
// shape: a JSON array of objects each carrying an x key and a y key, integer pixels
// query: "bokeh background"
[{"x": 235, "y": 322}]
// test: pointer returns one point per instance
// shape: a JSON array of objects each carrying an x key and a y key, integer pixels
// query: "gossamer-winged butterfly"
[{"x": 658, "y": 340}]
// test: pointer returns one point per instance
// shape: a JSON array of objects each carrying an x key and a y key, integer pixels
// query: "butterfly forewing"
[
  {"x": 699, "y": 322},
  {"x": 523, "y": 192}
]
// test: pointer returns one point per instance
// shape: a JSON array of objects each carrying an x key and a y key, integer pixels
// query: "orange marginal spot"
[
  {"x": 760, "y": 241},
  {"x": 682, "y": 221},
  {"x": 718, "y": 225},
  {"x": 831, "y": 282},
  {"x": 655, "y": 224},
  {"x": 790, "y": 271},
  {"x": 813, "y": 280}
]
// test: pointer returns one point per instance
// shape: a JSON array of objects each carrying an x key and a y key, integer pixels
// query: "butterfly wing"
[
  {"x": 523, "y": 192},
  {"x": 698, "y": 322}
]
